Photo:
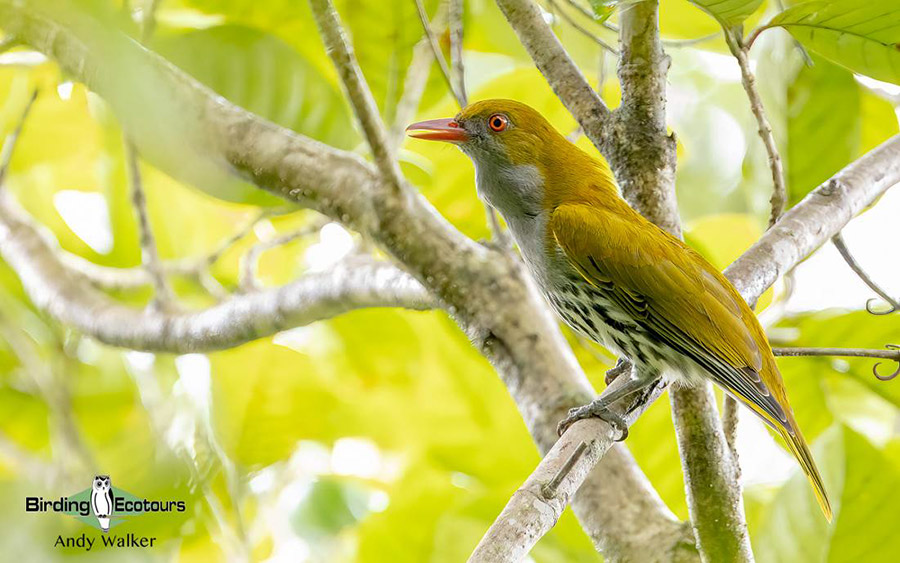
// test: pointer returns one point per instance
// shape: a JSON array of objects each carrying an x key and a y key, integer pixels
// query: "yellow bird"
[{"x": 612, "y": 275}]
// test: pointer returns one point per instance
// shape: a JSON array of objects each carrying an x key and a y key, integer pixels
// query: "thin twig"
[
  {"x": 457, "y": 68},
  {"x": 838, "y": 241},
  {"x": 681, "y": 43},
  {"x": 456, "y": 79},
  {"x": 549, "y": 490},
  {"x": 591, "y": 16},
  {"x": 606, "y": 24},
  {"x": 163, "y": 298},
  {"x": 438, "y": 55},
  {"x": 226, "y": 244},
  {"x": 778, "y": 200},
  {"x": 892, "y": 353},
  {"x": 578, "y": 27},
  {"x": 13, "y": 138},
  {"x": 196, "y": 268},
  {"x": 561, "y": 72},
  {"x": 247, "y": 280},
  {"x": 360, "y": 96}
]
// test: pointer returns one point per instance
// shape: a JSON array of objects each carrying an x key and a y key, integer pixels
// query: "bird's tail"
[{"x": 794, "y": 439}]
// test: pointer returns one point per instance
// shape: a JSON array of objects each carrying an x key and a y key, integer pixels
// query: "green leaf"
[
  {"x": 862, "y": 36},
  {"x": 602, "y": 9},
  {"x": 831, "y": 121},
  {"x": 823, "y": 125},
  {"x": 330, "y": 506},
  {"x": 864, "y": 486},
  {"x": 262, "y": 74},
  {"x": 137, "y": 86},
  {"x": 728, "y": 12}
]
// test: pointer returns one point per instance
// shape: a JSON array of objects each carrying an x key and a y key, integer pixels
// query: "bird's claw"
[
  {"x": 592, "y": 410},
  {"x": 623, "y": 365}
]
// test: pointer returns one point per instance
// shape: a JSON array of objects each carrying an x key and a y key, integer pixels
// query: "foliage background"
[{"x": 382, "y": 435}]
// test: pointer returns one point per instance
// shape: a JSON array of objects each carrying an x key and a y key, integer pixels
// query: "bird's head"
[
  {"x": 492, "y": 131},
  {"x": 523, "y": 165}
]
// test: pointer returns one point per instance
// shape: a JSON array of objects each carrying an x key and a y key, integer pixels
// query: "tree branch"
[
  {"x": 646, "y": 172},
  {"x": 457, "y": 67},
  {"x": 249, "y": 261},
  {"x": 71, "y": 299},
  {"x": 535, "y": 508},
  {"x": 643, "y": 154},
  {"x": 779, "y": 192},
  {"x": 358, "y": 92},
  {"x": 564, "y": 77},
  {"x": 163, "y": 297},
  {"x": 817, "y": 218}
]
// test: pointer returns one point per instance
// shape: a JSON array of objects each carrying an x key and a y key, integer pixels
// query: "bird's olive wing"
[{"x": 673, "y": 293}]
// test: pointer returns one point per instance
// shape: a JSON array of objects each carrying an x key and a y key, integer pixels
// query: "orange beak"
[{"x": 438, "y": 130}]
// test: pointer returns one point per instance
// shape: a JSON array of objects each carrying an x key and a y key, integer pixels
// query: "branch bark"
[
  {"x": 817, "y": 218},
  {"x": 71, "y": 299},
  {"x": 646, "y": 172},
  {"x": 534, "y": 508},
  {"x": 341, "y": 52},
  {"x": 564, "y": 77}
]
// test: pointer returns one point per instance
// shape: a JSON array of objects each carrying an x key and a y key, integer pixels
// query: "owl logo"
[{"x": 102, "y": 500}]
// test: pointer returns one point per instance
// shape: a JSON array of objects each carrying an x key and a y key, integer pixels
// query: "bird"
[
  {"x": 615, "y": 277},
  {"x": 102, "y": 500}
]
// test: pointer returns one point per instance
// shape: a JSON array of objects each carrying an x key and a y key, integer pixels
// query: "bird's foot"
[
  {"x": 623, "y": 366},
  {"x": 598, "y": 409}
]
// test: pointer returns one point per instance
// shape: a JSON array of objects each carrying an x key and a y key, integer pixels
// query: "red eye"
[{"x": 498, "y": 122}]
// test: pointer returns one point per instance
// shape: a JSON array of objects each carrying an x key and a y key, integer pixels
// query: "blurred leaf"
[
  {"x": 864, "y": 488},
  {"x": 681, "y": 19},
  {"x": 723, "y": 238},
  {"x": 823, "y": 125},
  {"x": 263, "y": 394},
  {"x": 330, "y": 505},
  {"x": 728, "y": 12},
  {"x": 133, "y": 83},
  {"x": 265, "y": 76},
  {"x": 832, "y": 120},
  {"x": 862, "y": 36},
  {"x": 603, "y": 9}
]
